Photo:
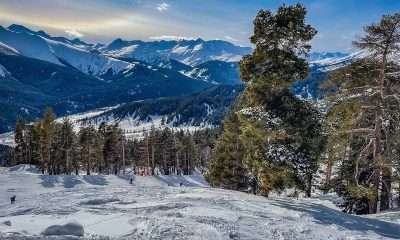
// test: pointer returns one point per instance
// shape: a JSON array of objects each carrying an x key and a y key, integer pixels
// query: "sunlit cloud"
[
  {"x": 162, "y": 7},
  {"x": 169, "y": 38},
  {"x": 74, "y": 33}
]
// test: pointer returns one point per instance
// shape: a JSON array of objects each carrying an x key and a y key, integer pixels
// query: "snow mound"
[
  {"x": 71, "y": 228},
  {"x": 24, "y": 168}
]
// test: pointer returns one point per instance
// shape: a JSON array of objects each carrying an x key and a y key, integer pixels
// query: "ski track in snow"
[{"x": 157, "y": 208}]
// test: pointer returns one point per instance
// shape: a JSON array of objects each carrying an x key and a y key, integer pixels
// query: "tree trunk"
[
  {"x": 309, "y": 185},
  {"x": 152, "y": 160}
]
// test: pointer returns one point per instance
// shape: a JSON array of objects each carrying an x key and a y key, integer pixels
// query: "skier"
[
  {"x": 180, "y": 184},
  {"x": 253, "y": 185},
  {"x": 13, "y": 199},
  {"x": 131, "y": 180}
]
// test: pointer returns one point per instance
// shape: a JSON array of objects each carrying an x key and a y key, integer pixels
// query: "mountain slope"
[
  {"x": 39, "y": 47},
  {"x": 190, "y": 52},
  {"x": 28, "y": 85},
  {"x": 203, "y": 109},
  {"x": 216, "y": 71}
]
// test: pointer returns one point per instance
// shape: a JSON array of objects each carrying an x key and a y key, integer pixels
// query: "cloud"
[
  {"x": 232, "y": 39},
  {"x": 74, "y": 33},
  {"x": 169, "y": 38},
  {"x": 162, "y": 7}
]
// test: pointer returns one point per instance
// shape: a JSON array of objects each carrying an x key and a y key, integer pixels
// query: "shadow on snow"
[{"x": 328, "y": 216}]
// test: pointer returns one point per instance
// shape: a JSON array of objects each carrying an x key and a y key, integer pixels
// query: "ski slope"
[{"x": 108, "y": 207}]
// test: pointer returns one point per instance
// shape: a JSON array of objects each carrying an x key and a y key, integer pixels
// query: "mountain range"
[{"x": 71, "y": 76}]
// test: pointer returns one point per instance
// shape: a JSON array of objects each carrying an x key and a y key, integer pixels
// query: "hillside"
[
  {"x": 204, "y": 109},
  {"x": 156, "y": 207},
  {"x": 41, "y": 84}
]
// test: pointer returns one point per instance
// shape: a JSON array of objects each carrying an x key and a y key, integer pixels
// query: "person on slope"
[{"x": 13, "y": 199}]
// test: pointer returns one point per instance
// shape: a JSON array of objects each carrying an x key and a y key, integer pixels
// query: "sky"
[{"x": 338, "y": 21}]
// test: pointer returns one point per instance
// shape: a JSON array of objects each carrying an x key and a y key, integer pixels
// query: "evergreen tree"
[
  {"x": 21, "y": 145},
  {"x": 67, "y": 138},
  {"x": 112, "y": 149},
  {"x": 227, "y": 169},
  {"x": 90, "y": 147},
  {"x": 278, "y": 129},
  {"x": 364, "y": 116}
]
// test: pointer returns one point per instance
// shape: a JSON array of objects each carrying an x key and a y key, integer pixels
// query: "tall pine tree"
[{"x": 281, "y": 133}]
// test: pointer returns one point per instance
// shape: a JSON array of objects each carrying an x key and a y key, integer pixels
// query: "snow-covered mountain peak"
[
  {"x": 316, "y": 56},
  {"x": 59, "y": 52},
  {"x": 191, "y": 52},
  {"x": 341, "y": 60}
]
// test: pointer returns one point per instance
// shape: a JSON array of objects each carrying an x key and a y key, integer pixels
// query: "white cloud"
[
  {"x": 162, "y": 7},
  {"x": 74, "y": 33},
  {"x": 169, "y": 38},
  {"x": 232, "y": 39}
]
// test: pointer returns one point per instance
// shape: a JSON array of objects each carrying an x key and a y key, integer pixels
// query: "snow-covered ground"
[{"x": 108, "y": 207}]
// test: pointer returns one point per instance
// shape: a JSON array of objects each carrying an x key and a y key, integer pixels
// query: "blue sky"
[{"x": 338, "y": 21}]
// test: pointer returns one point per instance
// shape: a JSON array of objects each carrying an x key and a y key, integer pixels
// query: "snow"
[
  {"x": 155, "y": 207},
  {"x": 333, "y": 63},
  {"x": 41, "y": 48},
  {"x": 7, "y": 139},
  {"x": 71, "y": 228},
  {"x": 89, "y": 63},
  {"x": 7, "y": 50},
  {"x": 3, "y": 71},
  {"x": 191, "y": 52}
]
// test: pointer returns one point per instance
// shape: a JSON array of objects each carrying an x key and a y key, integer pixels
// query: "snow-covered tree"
[{"x": 280, "y": 132}]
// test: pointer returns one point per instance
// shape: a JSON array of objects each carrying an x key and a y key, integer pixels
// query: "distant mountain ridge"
[{"x": 190, "y": 52}]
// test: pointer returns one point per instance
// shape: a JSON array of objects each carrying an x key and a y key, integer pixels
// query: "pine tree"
[
  {"x": 278, "y": 129},
  {"x": 90, "y": 147},
  {"x": 112, "y": 149},
  {"x": 364, "y": 116},
  {"x": 166, "y": 143},
  {"x": 67, "y": 137},
  {"x": 227, "y": 169},
  {"x": 20, "y": 151}
]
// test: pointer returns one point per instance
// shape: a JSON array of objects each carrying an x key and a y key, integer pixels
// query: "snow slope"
[
  {"x": 3, "y": 71},
  {"x": 157, "y": 208},
  {"x": 41, "y": 48}
]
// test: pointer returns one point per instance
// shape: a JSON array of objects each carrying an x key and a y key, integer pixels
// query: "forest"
[{"x": 57, "y": 149}]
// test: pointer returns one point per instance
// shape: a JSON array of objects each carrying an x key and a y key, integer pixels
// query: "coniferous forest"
[
  {"x": 271, "y": 139},
  {"x": 57, "y": 149}
]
